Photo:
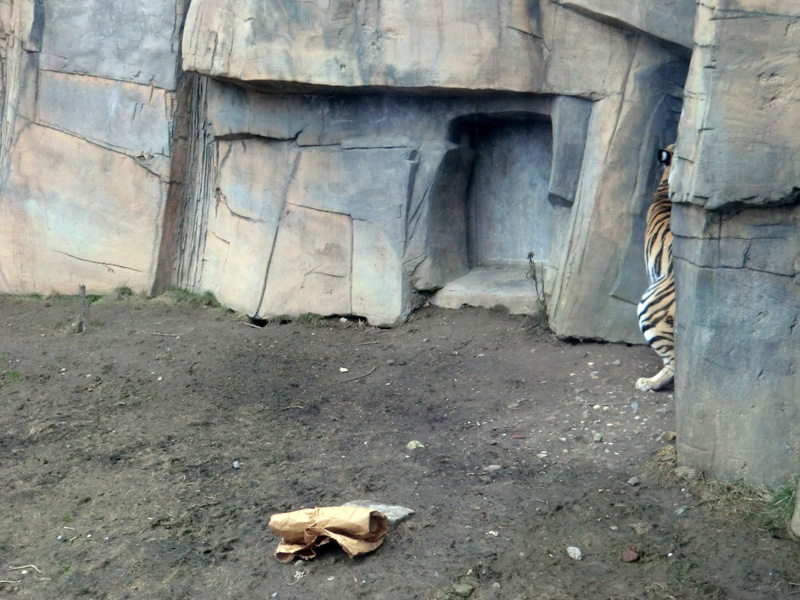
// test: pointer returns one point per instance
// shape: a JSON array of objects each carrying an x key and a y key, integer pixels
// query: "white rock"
[
  {"x": 394, "y": 514},
  {"x": 574, "y": 553}
]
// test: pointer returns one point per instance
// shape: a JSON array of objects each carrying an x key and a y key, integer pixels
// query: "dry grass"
[{"x": 762, "y": 507}]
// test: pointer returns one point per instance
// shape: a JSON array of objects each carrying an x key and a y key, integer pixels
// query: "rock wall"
[
  {"x": 390, "y": 129},
  {"x": 737, "y": 249},
  {"x": 88, "y": 94},
  {"x": 447, "y": 191}
]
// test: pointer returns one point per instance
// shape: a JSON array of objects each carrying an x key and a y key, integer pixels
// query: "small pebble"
[
  {"x": 633, "y": 481},
  {"x": 236, "y": 464},
  {"x": 463, "y": 590},
  {"x": 492, "y": 468},
  {"x": 630, "y": 555},
  {"x": 574, "y": 553},
  {"x": 598, "y": 437}
]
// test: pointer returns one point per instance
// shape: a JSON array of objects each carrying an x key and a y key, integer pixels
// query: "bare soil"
[{"x": 118, "y": 447}]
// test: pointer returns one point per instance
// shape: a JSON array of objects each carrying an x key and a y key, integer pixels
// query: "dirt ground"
[{"x": 118, "y": 447}]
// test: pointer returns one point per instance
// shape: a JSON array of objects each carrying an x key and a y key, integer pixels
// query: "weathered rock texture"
[
  {"x": 88, "y": 109},
  {"x": 528, "y": 124},
  {"x": 737, "y": 248},
  {"x": 530, "y": 121},
  {"x": 344, "y": 157}
]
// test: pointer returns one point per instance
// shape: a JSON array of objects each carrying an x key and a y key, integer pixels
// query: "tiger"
[{"x": 656, "y": 310}]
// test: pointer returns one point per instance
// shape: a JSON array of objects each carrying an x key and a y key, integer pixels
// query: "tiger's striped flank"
[{"x": 657, "y": 308}]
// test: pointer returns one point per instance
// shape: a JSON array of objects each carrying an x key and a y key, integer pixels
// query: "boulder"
[
  {"x": 737, "y": 385},
  {"x": 738, "y": 143},
  {"x": 736, "y": 185}
]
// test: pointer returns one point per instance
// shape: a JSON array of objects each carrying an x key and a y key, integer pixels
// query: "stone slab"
[
  {"x": 310, "y": 266},
  {"x": 129, "y": 40},
  {"x": 244, "y": 219},
  {"x": 585, "y": 57},
  {"x": 601, "y": 274},
  {"x": 737, "y": 385},
  {"x": 670, "y": 20},
  {"x": 133, "y": 118},
  {"x": 490, "y": 287},
  {"x": 395, "y": 514},
  {"x": 509, "y": 211},
  {"x": 436, "y": 248},
  {"x": 570, "y": 122},
  {"x": 369, "y": 185},
  {"x": 378, "y": 278},
  {"x": 737, "y": 143},
  {"x": 92, "y": 216},
  {"x": 392, "y": 43}
]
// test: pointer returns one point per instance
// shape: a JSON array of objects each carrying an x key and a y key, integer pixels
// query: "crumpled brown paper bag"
[{"x": 356, "y": 529}]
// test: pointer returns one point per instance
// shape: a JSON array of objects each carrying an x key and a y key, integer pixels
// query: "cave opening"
[{"x": 507, "y": 211}]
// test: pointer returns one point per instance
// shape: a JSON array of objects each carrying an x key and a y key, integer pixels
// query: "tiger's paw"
[
  {"x": 659, "y": 382},
  {"x": 644, "y": 384}
]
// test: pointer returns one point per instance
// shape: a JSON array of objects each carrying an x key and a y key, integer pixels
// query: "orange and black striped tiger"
[{"x": 657, "y": 307}]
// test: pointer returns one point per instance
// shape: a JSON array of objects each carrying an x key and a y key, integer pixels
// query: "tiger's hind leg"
[{"x": 657, "y": 322}]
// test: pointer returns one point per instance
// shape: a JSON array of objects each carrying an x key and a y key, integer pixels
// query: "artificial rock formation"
[
  {"x": 384, "y": 174},
  {"x": 356, "y": 157},
  {"x": 737, "y": 249},
  {"x": 519, "y": 123},
  {"x": 88, "y": 96}
]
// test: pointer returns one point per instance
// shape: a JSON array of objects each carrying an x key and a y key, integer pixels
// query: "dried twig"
[
  {"x": 172, "y": 335},
  {"x": 2, "y": 581},
  {"x": 367, "y": 343},
  {"x": 360, "y": 376},
  {"x": 291, "y": 407},
  {"x": 34, "y": 567}
]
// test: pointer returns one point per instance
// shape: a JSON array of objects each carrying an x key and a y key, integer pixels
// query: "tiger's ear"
[{"x": 665, "y": 157}]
